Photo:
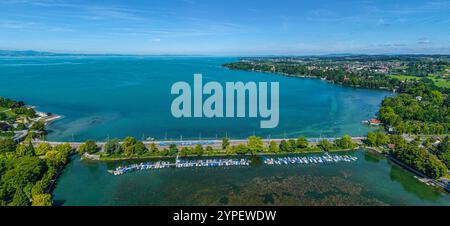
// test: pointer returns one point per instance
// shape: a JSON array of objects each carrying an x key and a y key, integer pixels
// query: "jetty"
[{"x": 198, "y": 163}]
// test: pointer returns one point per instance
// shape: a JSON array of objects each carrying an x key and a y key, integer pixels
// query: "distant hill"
[
  {"x": 38, "y": 53},
  {"x": 343, "y": 54},
  {"x": 27, "y": 53}
]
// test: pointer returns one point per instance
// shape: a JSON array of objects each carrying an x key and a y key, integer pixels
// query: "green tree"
[
  {"x": 284, "y": 146},
  {"x": 153, "y": 149},
  {"x": 436, "y": 97},
  {"x": 231, "y": 150},
  {"x": 399, "y": 141},
  {"x": 20, "y": 199},
  {"x": 25, "y": 149},
  {"x": 112, "y": 147},
  {"x": 302, "y": 142},
  {"x": 20, "y": 126},
  {"x": 131, "y": 146},
  {"x": 43, "y": 148},
  {"x": 421, "y": 160},
  {"x": 42, "y": 200},
  {"x": 24, "y": 172},
  {"x": 3, "y": 116},
  {"x": 388, "y": 116},
  {"x": 345, "y": 142},
  {"x": 443, "y": 151},
  {"x": 325, "y": 145},
  {"x": 7, "y": 145},
  {"x": 41, "y": 186},
  {"x": 292, "y": 145},
  {"x": 225, "y": 143},
  {"x": 173, "y": 150},
  {"x": 38, "y": 126},
  {"x": 198, "y": 150},
  {"x": 185, "y": 151},
  {"x": 241, "y": 149},
  {"x": 63, "y": 148},
  {"x": 371, "y": 139},
  {"x": 255, "y": 144},
  {"x": 89, "y": 147},
  {"x": 209, "y": 150},
  {"x": 55, "y": 159},
  {"x": 164, "y": 152},
  {"x": 273, "y": 147},
  {"x": 376, "y": 139}
]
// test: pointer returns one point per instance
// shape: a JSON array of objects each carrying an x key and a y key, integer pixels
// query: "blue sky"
[{"x": 226, "y": 27}]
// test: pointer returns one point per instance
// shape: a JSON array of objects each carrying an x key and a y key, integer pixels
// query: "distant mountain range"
[
  {"x": 28, "y": 53},
  {"x": 39, "y": 53}
]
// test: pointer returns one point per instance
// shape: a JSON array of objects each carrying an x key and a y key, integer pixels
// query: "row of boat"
[
  {"x": 309, "y": 160},
  {"x": 180, "y": 164},
  {"x": 212, "y": 163},
  {"x": 327, "y": 158}
]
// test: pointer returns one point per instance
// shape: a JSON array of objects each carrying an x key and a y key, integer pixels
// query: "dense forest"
[
  {"x": 27, "y": 172},
  {"x": 431, "y": 163}
]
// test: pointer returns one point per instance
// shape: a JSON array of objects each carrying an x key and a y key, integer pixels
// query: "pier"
[{"x": 180, "y": 164}]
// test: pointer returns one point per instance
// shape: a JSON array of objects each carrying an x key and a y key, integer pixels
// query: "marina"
[
  {"x": 372, "y": 179},
  {"x": 180, "y": 164},
  {"x": 191, "y": 163},
  {"x": 327, "y": 158}
]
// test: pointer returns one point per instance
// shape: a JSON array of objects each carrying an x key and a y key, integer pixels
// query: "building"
[
  {"x": 374, "y": 122},
  {"x": 391, "y": 146}
]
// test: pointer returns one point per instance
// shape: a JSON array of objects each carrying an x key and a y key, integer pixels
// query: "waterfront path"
[{"x": 189, "y": 143}]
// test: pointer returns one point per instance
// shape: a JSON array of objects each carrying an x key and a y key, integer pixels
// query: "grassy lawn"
[
  {"x": 404, "y": 77},
  {"x": 438, "y": 81}
]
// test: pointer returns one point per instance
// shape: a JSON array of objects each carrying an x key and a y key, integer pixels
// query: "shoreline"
[
  {"x": 315, "y": 77},
  {"x": 100, "y": 159}
]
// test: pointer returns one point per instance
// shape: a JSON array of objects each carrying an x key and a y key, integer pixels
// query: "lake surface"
[
  {"x": 371, "y": 180},
  {"x": 102, "y": 97}
]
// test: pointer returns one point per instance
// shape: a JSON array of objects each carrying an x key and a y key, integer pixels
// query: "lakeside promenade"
[{"x": 189, "y": 143}]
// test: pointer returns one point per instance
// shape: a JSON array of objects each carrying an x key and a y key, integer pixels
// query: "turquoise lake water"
[
  {"x": 102, "y": 97},
  {"x": 371, "y": 180}
]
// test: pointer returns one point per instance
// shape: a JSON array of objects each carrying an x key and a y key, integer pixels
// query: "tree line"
[
  {"x": 131, "y": 147},
  {"x": 431, "y": 163}
]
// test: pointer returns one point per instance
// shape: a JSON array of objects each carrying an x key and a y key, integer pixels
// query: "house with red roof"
[{"x": 374, "y": 122}]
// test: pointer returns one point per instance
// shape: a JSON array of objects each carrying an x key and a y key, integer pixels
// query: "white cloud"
[{"x": 423, "y": 41}]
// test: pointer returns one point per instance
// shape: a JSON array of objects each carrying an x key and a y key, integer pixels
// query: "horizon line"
[{"x": 70, "y": 53}]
